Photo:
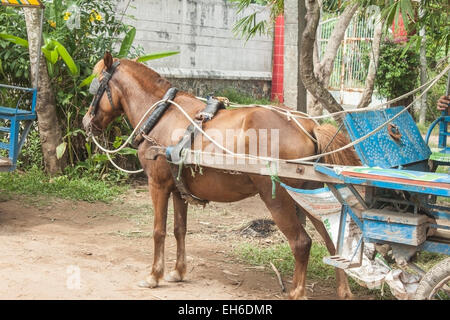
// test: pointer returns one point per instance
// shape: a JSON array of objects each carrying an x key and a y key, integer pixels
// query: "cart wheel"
[{"x": 435, "y": 284}]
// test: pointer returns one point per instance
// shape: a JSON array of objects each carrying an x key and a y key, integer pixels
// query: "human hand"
[{"x": 443, "y": 103}]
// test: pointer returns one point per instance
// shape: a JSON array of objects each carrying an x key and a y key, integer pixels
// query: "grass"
[
  {"x": 281, "y": 256},
  {"x": 426, "y": 260},
  {"x": 423, "y": 128},
  {"x": 238, "y": 97},
  {"x": 34, "y": 182}
]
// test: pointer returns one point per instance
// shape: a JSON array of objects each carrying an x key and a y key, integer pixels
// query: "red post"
[
  {"x": 399, "y": 31},
  {"x": 278, "y": 60}
]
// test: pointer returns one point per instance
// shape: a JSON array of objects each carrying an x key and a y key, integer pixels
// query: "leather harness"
[
  {"x": 173, "y": 153},
  {"x": 98, "y": 88}
]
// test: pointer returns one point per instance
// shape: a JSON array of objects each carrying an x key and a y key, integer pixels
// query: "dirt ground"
[{"x": 60, "y": 249}]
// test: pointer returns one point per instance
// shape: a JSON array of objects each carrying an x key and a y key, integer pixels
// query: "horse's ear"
[{"x": 108, "y": 60}]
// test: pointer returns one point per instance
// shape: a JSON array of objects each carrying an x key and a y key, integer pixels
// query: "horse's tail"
[{"x": 324, "y": 134}]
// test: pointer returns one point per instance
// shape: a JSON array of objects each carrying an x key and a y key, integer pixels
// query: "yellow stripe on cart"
[{"x": 21, "y": 3}]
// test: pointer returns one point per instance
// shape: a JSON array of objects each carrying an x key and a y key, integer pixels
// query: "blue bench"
[{"x": 12, "y": 118}]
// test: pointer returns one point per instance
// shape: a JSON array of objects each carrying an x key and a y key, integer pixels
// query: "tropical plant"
[
  {"x": 14, "y": 65},
  {"x": 396, "y": 76},
  {"x": 76, "y": 36},
  {"x": 432, "y": 15}
]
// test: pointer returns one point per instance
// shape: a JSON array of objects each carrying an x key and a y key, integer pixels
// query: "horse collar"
[{"x": 151, "y": 122}]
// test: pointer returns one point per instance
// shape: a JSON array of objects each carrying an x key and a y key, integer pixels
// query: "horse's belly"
[{"x": 219, "y": 186}]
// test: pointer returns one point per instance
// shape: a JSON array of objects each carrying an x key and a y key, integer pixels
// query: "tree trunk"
[
  {"x": 366, "y": 98},
  {"x": 423, "y": 76},
  {"x": 324, "y": 68},
  {"x": 312, "y": 84},
  {"x": 313, "y": 106},
  {"x": 48, "y": 124}
]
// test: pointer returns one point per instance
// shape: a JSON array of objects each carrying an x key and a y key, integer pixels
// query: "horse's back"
[{"x": 266, "y": 128}]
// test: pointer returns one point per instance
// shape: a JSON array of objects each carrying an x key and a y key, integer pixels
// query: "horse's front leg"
[
  {"x": 180, "y": 218},
  {"x": 160, "y": 198}
]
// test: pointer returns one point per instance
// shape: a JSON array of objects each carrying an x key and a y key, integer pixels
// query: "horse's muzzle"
[{"x": 89, "y": 127}]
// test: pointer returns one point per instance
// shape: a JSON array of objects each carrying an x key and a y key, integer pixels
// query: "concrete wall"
[{"x": 202, "y": 31}]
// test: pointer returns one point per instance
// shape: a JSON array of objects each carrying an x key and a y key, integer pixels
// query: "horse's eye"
[{"x": 95, "y": 85}]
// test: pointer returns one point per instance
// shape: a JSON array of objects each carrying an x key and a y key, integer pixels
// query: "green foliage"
[
  {"x": 157, "y": 55},
  {"x": 239, "y": 97},
  {"x": 426, "y": 260},
  {"x": 432, "y": 15},
  {"x": 281, "y": 257},
  {"x": 127, "y": 43},
  {"x": 397, "y": 74},
  {"x": 72, "y": 47},
  {"x": 14, "y": 59},
  {"x": 433, "y": 95},
  {"x": 35, "y": 182},
  {"x": 251, "y": 25},
  {"x": 31, "y": 154}
]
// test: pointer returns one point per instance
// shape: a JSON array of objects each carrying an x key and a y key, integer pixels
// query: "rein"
[{"x": 98, "y": 88}]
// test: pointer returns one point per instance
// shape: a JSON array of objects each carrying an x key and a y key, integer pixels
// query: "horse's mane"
[
  {"x": 325, "y": 134},
  {"x": 145, "y": 74}
]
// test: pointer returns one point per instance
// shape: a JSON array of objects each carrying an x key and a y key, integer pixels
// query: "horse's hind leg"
[
  {"x": 343, "y": 288},
  {"x": 160, "y": 198},
  {"x": 283, "y": 211},
  {"x": 179, "y": 229}
]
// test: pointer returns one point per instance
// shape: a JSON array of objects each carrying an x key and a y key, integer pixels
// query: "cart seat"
[
  {"x": 13, "y": 111},
  {"x": 424, "y": 182},
  {"x": 383, "y": 149}
]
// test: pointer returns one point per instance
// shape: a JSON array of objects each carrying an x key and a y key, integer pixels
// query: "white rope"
[
  {"x": 132, "y": 133},
  {"x": 247, "y": 156},
  {"x": 376, "y": 107},
  {"x": 289, "y": 116},
  {"x": 108, "y": 152},
  {"x": 319, "y": 155}
]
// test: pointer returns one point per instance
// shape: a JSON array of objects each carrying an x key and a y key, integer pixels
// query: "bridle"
[{"x": 98, "y": 88}]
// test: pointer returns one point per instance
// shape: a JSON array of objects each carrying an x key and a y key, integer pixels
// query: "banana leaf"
[
  {"x": 87, "y": 81},
  {"x": 14, "y": 39},
  {"x": 64, "y": 54},
  {"x": 127, "y": 43},
  {"x": 157, "y": 55}
]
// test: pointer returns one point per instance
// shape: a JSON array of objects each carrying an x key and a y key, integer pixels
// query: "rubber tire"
[{"x": 432, "y": 278}]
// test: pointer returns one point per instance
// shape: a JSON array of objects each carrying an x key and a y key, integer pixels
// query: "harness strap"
[
  {"x": 212, "y": 106},
  {"x": 174, "y": 153},
  {"x": 102, "y": 87},
  {"x": 150, "y": 123},
  {"x": 182, "y": 189}
]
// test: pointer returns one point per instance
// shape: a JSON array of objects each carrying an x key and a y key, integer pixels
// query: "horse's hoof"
[
  {"x": 173, "y": 276},
  {"x": 291, "y": 297},
  {"x": 345, "y": 295},
  {"x": 296, "y": 295},
  {"x": 148, "y": 283}
]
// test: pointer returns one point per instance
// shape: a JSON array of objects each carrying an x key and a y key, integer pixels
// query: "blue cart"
[
  {"x": 397, "y": 189},
  {"x": 401, "y": 192}
]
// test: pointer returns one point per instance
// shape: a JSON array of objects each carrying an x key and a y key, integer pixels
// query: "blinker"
[{"x": 95, "y": 85}]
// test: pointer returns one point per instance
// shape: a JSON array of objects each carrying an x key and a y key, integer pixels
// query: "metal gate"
[{"x": 352, "y": 60}]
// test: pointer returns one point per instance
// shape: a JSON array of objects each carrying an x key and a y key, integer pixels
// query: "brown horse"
[{"x": 135, "y": 87}]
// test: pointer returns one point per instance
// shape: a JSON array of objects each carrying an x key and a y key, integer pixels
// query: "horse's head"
[{"x": 106, "y": 105}]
